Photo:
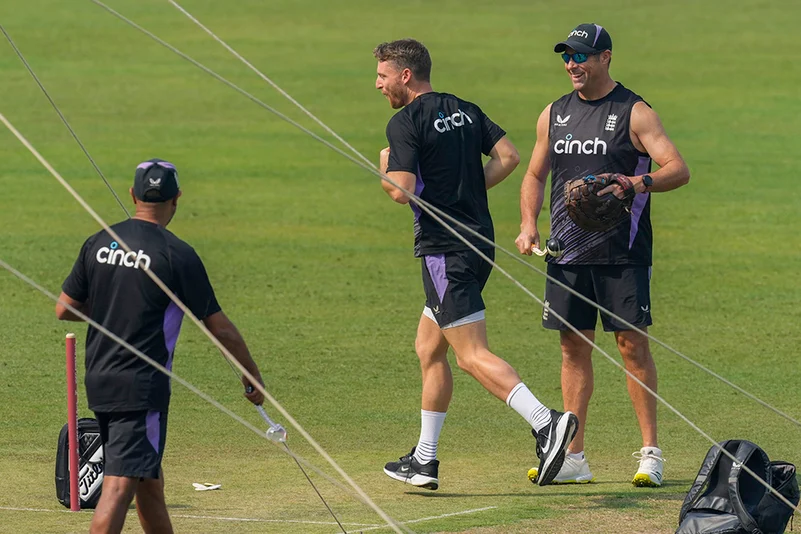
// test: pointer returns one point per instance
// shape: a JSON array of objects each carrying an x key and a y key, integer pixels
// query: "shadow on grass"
[{"x": 614, "y": 499}]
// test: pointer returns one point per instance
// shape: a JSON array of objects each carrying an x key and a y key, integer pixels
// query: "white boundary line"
[
  {"x": 372, "y": 526},
  {"x": 431, "y": 518},
  {"x": 257, "y": 520}
]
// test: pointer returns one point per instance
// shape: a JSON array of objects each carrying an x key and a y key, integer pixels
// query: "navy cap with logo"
[
  {"x": 156, "y": 180},
  {"x": 586, "y": 39}
]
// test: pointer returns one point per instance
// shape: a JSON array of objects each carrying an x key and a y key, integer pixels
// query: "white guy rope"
[
  {"x": 471, "y": 231},
  {"x": 431, "y": 211},
  {"x": 208, "y": 398},
  {"x": 63, "y": 118},
  {"x": 203, "y": 328},
  {"x": 268, "y": 80}
]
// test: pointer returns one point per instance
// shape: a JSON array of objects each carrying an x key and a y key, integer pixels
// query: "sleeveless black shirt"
[{"x": 592, "y": 137}]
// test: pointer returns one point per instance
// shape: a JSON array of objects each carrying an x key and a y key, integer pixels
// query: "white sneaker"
[
  {"x": 572, "y": 472},
  {"x": 649, "y": 474}
]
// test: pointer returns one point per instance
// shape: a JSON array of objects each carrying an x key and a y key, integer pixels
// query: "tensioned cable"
[
  {"x": 431, "y": 211},
  {"x": 63, "y": 119},
  {"x": 205, "y": 396},
  {"x": 268, "y": 80},
  {"x": 203, "y": 328},
  {"x": 86, "y": 152},
  {"x": 419, "y": 201}
]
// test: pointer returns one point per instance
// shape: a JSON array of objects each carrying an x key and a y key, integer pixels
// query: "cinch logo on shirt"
[
  {"x": 114, "y": 255},
  {"x": 446, "y": 124},
  {"x": 568, "y": 145}
]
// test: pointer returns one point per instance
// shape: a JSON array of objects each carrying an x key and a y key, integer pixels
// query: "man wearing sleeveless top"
[{"x": 600, "y": 127}]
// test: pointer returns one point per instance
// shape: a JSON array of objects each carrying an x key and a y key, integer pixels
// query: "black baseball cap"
[
  {"x": 155, "y": 180},
  {"x": 586, "y": 39}
]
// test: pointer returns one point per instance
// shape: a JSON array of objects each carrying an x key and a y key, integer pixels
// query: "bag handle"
[
  {"x": 708, "y": 464},
  {"x": 744, "y": 453}
]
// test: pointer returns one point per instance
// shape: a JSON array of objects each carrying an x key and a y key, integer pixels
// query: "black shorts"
[
  {"x": 625, "y": 290},
  {"x": 133, "y": 442},
  {"x": 453, "y": 282}
]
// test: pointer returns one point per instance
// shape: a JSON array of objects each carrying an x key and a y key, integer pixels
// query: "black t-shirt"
[
  {"x": 440, "y": 138},
  {"x": 593, "y": 137},
  {"x": 123, "y": 298}
]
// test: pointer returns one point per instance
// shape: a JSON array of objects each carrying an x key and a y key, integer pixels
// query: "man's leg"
[
  {"x": 577, "y": 374},
  {"x": 577, "y": 380},
  {"x": 432, "y": 350},
  {"x": 637, "y": 357},
  {"x": 109, "y": 516},
  {"x": 473, "y": 356},
  {"x": 626, "y": 291},
  {"x": 553, "y": 430},
  {"x": 421, "y": 467},
  {"x": 151, "y": 506},
  {"x": 636, "y": 353}
]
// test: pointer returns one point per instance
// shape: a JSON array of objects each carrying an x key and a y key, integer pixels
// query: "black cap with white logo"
[
  {"x": 155, "y": 180},
  {"x": 586, "y": 39}
]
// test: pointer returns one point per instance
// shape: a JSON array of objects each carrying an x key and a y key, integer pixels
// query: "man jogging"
[{"x": 435, "y": 146}]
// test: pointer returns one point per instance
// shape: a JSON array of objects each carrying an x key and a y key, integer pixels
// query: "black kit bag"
[
  {"x": 90, "y": 464},
  {"x": 724, "y": 499}
]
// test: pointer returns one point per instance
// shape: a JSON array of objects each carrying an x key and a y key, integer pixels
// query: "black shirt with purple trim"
[
  {"x": 123, "y": 298},
  {"x": 440, "y": 138},
  {"x": 593, "y": 137}
]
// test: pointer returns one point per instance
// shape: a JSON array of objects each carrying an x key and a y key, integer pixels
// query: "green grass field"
[{"x": 314, "y": 263}]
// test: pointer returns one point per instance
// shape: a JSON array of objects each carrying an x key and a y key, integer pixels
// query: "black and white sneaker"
[
  {"x": 410, "y": 471},
  {"x": 552, "y": 442}
]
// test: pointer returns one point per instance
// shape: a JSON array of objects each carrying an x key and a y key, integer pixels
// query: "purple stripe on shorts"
[
  {"x": 597, "y": 33},
  {"x": 436, "y": 269},
  {"x": 643, "y": 164},
  {"x": 153, "y": 425}
]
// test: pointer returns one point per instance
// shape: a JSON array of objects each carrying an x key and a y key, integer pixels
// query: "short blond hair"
[{"x": 406, "y": 54}]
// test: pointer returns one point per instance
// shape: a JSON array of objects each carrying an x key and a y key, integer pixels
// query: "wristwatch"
[{"x": 647, "y": 181}]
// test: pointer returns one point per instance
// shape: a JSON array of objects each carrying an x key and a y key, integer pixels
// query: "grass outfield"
[{"x": 314, "y": 264}]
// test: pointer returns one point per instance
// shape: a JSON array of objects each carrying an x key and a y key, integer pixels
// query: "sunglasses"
[{"x": 577, "y": 58}]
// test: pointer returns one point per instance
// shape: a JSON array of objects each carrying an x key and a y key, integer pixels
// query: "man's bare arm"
[
  {"x": 404, "y": 179},
  {"x": 226, "y": 332},
  {"x": 65, "y": 314},
  {"x": 648, "y": 135},
  {"x": 504, "y": 158},
  {"x": 532, "y": 191}
]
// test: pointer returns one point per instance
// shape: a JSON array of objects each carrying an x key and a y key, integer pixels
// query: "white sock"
[
  {"x": 524, "y": 402},
  {"x": 578, "y": 456},
  {"x": 656, "y": 451},
  {"x": 430, "y": 427}
]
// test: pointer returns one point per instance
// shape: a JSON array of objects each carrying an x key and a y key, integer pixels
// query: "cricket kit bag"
[
  {"x": 90, "y": 464},
  {"x": 724, "y": 499}
]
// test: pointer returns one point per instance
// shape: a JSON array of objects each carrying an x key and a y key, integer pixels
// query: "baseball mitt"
[{"x": 595, "y": 213}]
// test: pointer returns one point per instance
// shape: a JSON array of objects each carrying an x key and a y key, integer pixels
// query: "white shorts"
[{"x": 472, "y": 318}]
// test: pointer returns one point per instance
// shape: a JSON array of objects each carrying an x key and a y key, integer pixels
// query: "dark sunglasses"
[{"x": 577, "y": 58}]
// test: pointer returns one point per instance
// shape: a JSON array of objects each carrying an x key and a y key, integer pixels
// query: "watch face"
[{"x": 647, "y": 180}]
